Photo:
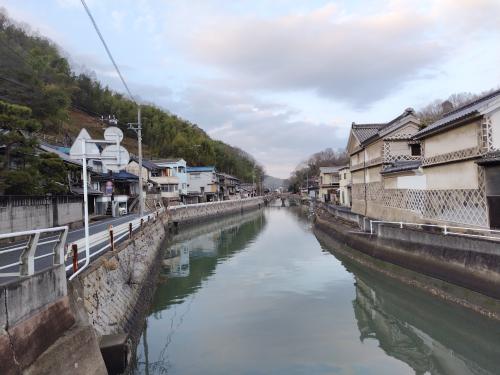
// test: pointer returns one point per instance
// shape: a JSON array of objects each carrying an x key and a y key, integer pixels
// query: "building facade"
[
  {"x": 171, "y": 177},
  {"x": 446, "y": 173},
  {"x": 328, "y": 184},
  {"x": 203, "y": 184},
  {"x": 345, "y": 186},
  {"x": 374, "y": 148}
]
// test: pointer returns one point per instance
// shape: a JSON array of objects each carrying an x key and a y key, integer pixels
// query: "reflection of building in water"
[
  {"x": 404, "y": 341},
  {"x": 211, "y": 240},
  {"x": 177, "y": 261}
]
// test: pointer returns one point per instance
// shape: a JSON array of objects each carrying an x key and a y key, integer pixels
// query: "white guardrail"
[
  {"x": 446, "y": 229},
  {"x": 28, "y": 246},
  {"x": 29, "y": 242},
  {"x": 107, "y": 238}
]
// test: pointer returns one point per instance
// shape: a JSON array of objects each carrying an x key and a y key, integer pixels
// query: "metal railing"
[
  {"x": 33, "y": 239},
  {"x": 106, "y": 239},
  {"x": 484, "y": 233}
]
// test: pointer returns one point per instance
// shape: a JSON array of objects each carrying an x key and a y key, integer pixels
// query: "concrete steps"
[{"x": 76, "y": 352}]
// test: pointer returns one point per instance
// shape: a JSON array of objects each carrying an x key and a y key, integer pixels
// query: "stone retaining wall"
[
  {"x": 203, "y": 211},
  {"x": 470, "y": 263},
  {"x": 114, "y": 284}
]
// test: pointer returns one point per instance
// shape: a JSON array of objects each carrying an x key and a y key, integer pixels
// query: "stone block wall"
[
  {"x": 202, "y": 211},
  {"x": 113, "y": 285}
]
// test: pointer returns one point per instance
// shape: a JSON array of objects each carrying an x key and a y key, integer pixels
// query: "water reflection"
[
  {"x": 259, "y": 294},
  {"x": 430, "y": 335},
  {"x": 191, "y": 258}
]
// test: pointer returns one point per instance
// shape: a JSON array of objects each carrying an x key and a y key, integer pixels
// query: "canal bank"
[
  {"x": 260, "y": 294},
  {"x": 117, "y": 288},
  {"x": 473, "y": 264}
]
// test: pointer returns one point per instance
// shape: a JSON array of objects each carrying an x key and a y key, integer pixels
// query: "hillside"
[{"x": 34, "y": 73}]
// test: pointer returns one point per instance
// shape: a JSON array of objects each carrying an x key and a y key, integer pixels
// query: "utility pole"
[{"x": 137, "y": 127}]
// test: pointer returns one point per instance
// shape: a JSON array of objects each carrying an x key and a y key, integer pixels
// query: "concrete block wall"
[
  {"x": 113, "y": 284},
  {"x": 34, "y": 313},
  {"x": 21, "y": 218},
  {"x": 69, "y": 212},
  {"x": 27, "y": 213},
  {"x": 203, "y": 211}
]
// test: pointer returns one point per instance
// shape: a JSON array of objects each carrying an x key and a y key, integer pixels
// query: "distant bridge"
[{"x": 293, "y": 199}]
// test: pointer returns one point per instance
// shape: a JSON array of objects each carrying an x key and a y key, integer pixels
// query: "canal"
[{"x": 260, "y": 293}]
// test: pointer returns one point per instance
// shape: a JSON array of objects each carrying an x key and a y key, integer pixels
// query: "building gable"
[
  {"x": 404, "y": 132},
  {"x": 353, "y": 143}
]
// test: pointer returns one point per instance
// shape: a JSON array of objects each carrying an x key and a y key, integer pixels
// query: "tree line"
[{"x": 35, "y": 74}]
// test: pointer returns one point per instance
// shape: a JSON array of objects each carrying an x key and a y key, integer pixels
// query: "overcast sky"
[{"x": 281, "y": 79}]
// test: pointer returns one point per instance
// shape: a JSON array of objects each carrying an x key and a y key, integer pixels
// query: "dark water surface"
[{"x": 259, "y": 294}]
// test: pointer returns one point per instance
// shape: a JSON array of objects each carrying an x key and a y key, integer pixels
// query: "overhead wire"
[{"x": 107, "y": 50}]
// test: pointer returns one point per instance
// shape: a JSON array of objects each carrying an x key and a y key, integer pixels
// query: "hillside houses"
[{"x": 445, "y": 173}]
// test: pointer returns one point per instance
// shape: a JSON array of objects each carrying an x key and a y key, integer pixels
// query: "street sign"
[
  {"x": 113, "y": 134},
  {"x": 115, "y": 157},
  {"x": 91, "y": 149}
]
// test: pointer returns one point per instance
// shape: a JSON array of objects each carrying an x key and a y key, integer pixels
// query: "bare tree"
[{"x": 437, "y": 108}]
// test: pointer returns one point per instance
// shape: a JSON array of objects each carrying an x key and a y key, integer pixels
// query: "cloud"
[
  {"x": 357, "y": 58},
  {"x": 269, "y": 131}
]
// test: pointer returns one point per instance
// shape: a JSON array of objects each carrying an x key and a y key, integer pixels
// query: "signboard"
[
  {"x": 108, "y": 188},
  {"x": 115, "y": 157},
  {"x": 113, "y": 134},
  {"x": 91, "y": 149}
]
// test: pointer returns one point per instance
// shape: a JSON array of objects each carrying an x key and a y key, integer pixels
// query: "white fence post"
[{"x": 27, "y": 258}]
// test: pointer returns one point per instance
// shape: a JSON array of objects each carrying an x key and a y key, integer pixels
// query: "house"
[
  {"x": 248, "y": 190},
  {"x": 461, "y": 166},
  {"x": 446, "y": 173},
  {"x": 388, "y": 147},
  {"x": 328, "y": 184},
  {"x": 203, "y": 184},
  {"x": 171, "y": 178},
  {"x": 120, "y": 190},
  {"x": 148, "y": 168},
  {"x": 228, "y": 186},
  {"x": 345, "y": 186}
]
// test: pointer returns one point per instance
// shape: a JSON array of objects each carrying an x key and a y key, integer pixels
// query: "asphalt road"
[{"x": 46, "y": 262}]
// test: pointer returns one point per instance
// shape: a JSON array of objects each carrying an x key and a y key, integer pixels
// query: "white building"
[
  {"x": 171, "y": 176},
  {"x": 203, "y": 183}
]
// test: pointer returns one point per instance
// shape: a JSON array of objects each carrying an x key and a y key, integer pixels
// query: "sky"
[{"x": 280, "y": 79}]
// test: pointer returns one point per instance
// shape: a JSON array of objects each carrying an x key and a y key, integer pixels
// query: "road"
[{"x": 73, "y": 235}]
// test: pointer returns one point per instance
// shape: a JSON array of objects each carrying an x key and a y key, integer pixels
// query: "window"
[
  {"x": 416, "y": 150},
  {"x": 168, "y": 188}
]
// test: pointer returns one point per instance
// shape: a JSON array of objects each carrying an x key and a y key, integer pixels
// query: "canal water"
[{"x": 260, "y": 294}]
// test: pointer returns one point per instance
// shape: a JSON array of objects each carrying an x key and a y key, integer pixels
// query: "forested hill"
[{"x": 34, "y": 73}]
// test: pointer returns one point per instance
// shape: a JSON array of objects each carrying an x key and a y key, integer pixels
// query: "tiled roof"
[
  {"x": 166, "y": 161},
  {"x": 401, "y": 166},
  {"x": 148, "y": 164},
  {"x": 466, "y": 111},
  {"x": 491, "y": 158},
  {"x": 366, "y": 131}
]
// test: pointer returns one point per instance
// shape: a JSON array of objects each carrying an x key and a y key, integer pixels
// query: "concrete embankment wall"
[
  {"x": 204, "y": 211},
  {"x": 35, "y": 314},
  {"x": 470, "y": 263},
  {"x": 117, "y": 287},
  {"x": 25, "y": 213},
  {"x": 114, "y": 286}
]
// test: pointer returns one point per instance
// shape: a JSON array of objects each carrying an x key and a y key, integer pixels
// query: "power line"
[{"x": 107, "y": 50}]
